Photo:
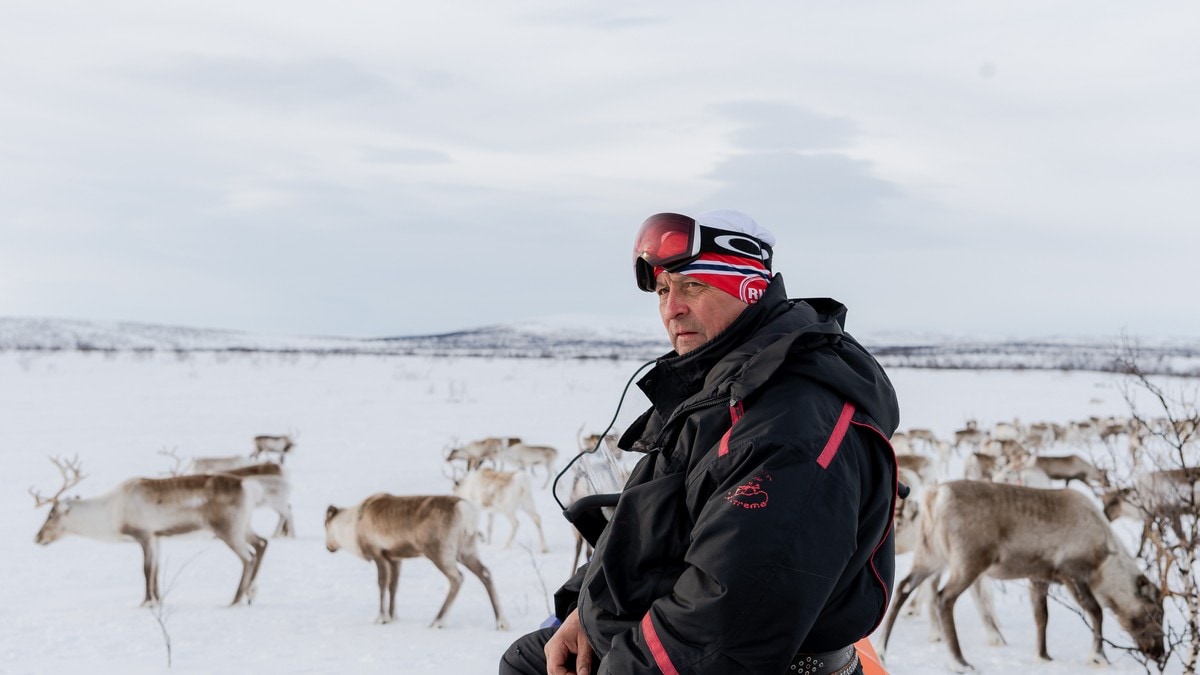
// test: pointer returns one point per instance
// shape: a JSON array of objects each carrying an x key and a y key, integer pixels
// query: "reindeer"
[
  {"x": 971, "y": 528},
  {"x": 970, "y": 435},
  {"x": 144, "y": 509},
  {"x": 1071, "y": 467},
  {"x": 503, "y": 492},
  {"x": 528, "y": 456},
  {"x": 475, "y": 453},
  {"x": 592, "y": 442},
  {"x": 385, "y": 529},
  {"x": 920, "y": 465},
  {"x": 276, "y": 492},
  {"x": 217, "y": 464},
  {"x": 268, "y": 445},
  {"x": 1166, "y": 495}
]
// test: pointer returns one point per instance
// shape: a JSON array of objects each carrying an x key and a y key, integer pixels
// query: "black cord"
[{"x": 581, "y": 453}]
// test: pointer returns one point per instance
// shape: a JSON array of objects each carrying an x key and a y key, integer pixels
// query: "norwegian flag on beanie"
[{"x": 744, "y": 278}]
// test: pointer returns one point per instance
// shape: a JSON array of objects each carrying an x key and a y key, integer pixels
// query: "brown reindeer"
[
  {"x": 970, "y": 528},
  {"x": 145, "y": 509},
  {"x": 385, "y": 529}
]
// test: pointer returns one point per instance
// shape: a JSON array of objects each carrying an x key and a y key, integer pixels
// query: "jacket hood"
[{"x": 801, "y": 336}]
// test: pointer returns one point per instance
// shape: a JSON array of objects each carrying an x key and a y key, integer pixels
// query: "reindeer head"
[
  {"x": 54, "y": 527},
  {"x": 340, "y": 529},
  {"x": 1145, "y": 623}
]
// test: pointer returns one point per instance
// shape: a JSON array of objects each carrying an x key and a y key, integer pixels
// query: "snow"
[{"x": 367, "y": 424}]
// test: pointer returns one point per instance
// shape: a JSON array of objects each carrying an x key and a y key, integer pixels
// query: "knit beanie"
[{"x": 737, "y": 265}]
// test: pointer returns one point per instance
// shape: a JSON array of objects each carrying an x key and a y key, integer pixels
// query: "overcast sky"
[{"x": 379, "y": 168}]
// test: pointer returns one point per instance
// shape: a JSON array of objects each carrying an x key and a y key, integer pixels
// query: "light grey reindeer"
[{"x": 145, "y": 509}]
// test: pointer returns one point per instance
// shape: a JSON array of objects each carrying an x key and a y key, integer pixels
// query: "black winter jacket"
[{"x": 758, "y": 524}]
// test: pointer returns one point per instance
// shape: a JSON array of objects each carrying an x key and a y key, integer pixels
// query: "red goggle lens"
[{"x": 664, "y": 239}]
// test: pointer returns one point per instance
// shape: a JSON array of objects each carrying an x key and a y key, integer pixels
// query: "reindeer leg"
[
  {"x": 537, "y": 522},
  {"x": 472, "y": 562},
  {"x": 981, "y": 591},
  {"x": 450, "y": 569},
  {"x": 1038, "y": 590},
  {"x": 244, "y": 550},
  {"x": 512, "y": 519},
  {"x": 149, "y": 567},
  {"x": 260, "y": 549},
  {"x": 383, "y": 569},
  {"x": 284, "y": 527},
  {"x": 395, "y": 581},
  {"x": 1083, "y": 595},
  {"x": 905, "y": 589},
  {"x": 958, "y": 582}
]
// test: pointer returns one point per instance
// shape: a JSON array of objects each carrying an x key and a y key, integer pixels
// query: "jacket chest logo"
[{"x": 750, "y": 495}]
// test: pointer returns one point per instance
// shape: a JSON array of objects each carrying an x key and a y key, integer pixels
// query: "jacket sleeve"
[{"x": 775, "y": 530}]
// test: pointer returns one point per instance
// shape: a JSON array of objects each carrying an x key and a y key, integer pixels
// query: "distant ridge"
[{"x": 584, "y": 341}]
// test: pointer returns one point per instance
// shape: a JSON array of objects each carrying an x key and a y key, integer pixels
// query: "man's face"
[{"x": 692, "y": 311}]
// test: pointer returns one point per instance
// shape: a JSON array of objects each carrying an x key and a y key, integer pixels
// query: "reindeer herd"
[
  {"x": 218, "y": 495},
  {"x": 1018, "y": 510}
]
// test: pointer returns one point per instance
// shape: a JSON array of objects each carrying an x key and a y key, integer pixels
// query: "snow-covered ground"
[{"x": 367, "y": 424}]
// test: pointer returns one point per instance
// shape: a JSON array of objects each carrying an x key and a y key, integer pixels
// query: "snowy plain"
[{"x": 367, "y": 424}]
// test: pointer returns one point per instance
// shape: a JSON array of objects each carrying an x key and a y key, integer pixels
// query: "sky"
[{"x": 373, "y": 169}]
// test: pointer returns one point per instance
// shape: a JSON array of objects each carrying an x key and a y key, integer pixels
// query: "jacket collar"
[{"x": 677, "y": 377}]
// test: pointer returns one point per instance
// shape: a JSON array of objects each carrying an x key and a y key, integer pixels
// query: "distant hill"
[{"x": 591, "y": 340}]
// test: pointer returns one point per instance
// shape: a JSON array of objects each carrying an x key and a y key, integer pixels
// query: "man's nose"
[{"x": 673, "y": 306}]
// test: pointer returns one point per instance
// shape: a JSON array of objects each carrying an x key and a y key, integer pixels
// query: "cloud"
[
  {"x": 773, "y": 126},
  {"x": 319, "y": 81},
  {"x": 417, "y": 156}
]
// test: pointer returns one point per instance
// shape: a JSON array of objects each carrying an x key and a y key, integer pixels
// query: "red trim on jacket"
[
  {"x": 656, "y": 647},
  {"x": 835, "y": 439},
  {"x": 735, "y": 413},
  {"x": 891, "y": 522}
]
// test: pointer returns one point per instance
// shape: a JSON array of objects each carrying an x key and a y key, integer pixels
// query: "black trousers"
[{"x": 527, "y": 655}]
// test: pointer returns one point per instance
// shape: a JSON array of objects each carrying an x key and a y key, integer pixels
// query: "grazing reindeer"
[
  {"x": 385, "y": 529},
  {"x": 503, "y": 492},
  {"x": 1047, "y": 536},
  {"x": 476, "y": 453},
  {"x": 1166, "y": 495},
  {"x": 528, "y": 456},
  {"x": 144, "y": 509},
  {"x": 1071, "y": 467},
  {"x": 268, "y": 445}
]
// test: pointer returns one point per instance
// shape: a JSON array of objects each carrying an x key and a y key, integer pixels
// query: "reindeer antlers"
[
  {"x": 173, "y": 453},
  {"x": 71, "y": 473}
]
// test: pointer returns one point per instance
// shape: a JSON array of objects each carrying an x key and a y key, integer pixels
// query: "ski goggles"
[{"x": 670, "y": 241}]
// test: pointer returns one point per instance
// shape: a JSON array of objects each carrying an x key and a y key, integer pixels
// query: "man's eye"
[{"x": 661, "y": 290}]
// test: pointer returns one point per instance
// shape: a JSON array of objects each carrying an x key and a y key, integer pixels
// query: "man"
[{"x": 755, "y": 534}]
